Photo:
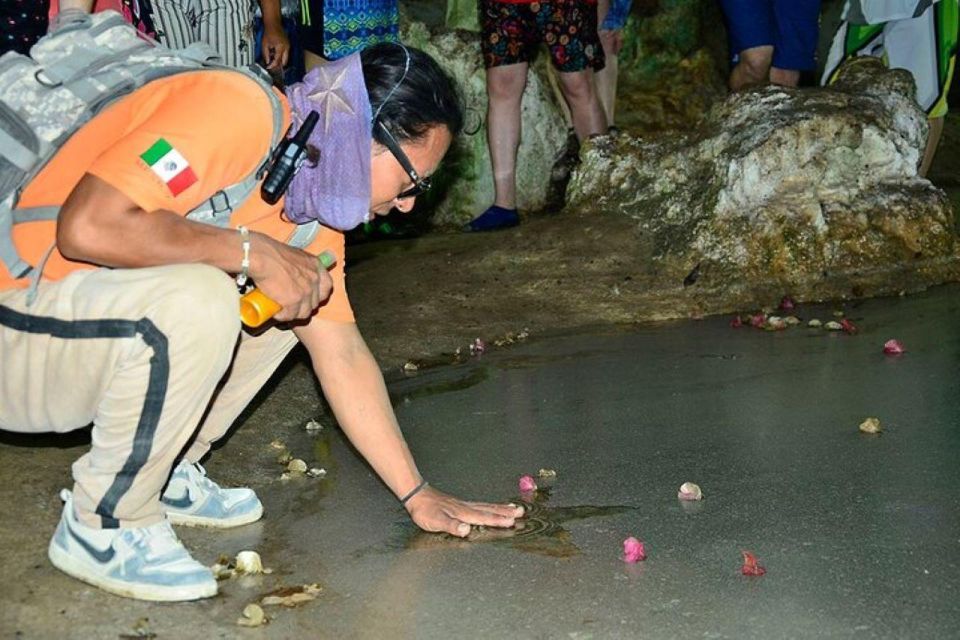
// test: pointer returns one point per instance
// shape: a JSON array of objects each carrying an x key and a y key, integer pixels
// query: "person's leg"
[
  {"x": 606, "y": 78},
  {"x": 569, "y": 29},
  {"x": 926, "y": 46},
  {"x": 507, "y": 47},
  {"x": 586, "y": 111},
  {"x": 227, "y": 26},
  {"x": 797, "y": 33},
  {"x": 255, "y": 360},
  {"x": 505, "y": 86},
  {"x": 175, "y": 22},
  {"x": 136, "y": 352},
  {"x": 751, "y": 31}
]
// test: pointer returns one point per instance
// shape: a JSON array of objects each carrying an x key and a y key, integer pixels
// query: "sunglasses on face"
[{"x": 420, "y": 185}]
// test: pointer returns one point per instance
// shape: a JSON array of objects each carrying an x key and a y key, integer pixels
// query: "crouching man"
[{"x": 134, "y": 326}]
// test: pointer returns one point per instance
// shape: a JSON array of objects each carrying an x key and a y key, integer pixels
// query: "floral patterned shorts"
[{"x": 511, "y": 32}]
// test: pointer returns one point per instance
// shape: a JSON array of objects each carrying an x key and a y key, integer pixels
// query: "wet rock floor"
[{"x": 860, "y": 534}]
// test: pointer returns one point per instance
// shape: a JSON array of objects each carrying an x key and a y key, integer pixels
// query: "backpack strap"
[
  {"x": 8, "y": 251},
  {"x": 218, "y": 208},
  {"x": 303, "y": 234}
]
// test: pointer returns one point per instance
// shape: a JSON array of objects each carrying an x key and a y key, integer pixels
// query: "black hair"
[{"x": 426, "y": 97}]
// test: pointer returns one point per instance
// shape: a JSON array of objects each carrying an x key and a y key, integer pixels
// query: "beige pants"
[{"x": 143, "y": 354}]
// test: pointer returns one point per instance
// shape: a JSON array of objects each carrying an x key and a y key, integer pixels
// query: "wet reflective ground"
[{"x": 860, "y": 534}]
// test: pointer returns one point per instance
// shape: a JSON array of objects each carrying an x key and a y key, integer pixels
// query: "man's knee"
[{"x": 199, "y": 303}]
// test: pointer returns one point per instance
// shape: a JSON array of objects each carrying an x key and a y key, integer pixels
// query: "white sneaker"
[
  {"x": 193, "y": 499},
  {"x": 147, "y": 563}
]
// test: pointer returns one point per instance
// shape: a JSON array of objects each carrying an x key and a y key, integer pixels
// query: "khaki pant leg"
[
  {"x": 256, "y": 359},
  {"x": 139, "y": 353}
]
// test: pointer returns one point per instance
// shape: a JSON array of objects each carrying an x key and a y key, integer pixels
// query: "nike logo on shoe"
[
  {"x": 102, "y": 557},
  {"x": 178, "y": 503}
]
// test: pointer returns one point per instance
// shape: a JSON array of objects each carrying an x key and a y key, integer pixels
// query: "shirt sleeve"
[
  {"x": 191, "y": 143},
  {"x": 337, "y": 307}
]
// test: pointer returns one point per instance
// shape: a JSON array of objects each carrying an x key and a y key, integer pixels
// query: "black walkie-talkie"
[{"x": 286, "y": 160}]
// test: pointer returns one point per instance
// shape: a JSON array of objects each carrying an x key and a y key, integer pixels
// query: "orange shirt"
[{"x": 220, "y": 122}]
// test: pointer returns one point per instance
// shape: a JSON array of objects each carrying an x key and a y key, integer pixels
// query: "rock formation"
[{"x": 782, "y": 187}]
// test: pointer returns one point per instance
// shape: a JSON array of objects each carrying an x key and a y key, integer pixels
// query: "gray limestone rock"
[
  {"x": 782, "y": 187},
  {"x": 464, "y": 184}
]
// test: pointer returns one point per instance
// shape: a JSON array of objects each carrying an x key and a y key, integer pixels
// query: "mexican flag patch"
[{"x": 170, "y": 166}]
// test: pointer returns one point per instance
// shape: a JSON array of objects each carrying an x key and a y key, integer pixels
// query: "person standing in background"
[
  {"x": 917, "y": 35},
  {"x": 226, "y": 25},
  {"x": 333, "y": 29},
  {"x": 771, "y": 40},
  {"x": 612, "y": 17},
  {"x": 511, "y": 34}
]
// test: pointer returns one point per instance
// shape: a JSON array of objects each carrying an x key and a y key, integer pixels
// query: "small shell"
[
  {"x": 833, "y": 325},
  {"x": 411, "y": 366},
  {"x": 317, "y": 472},
  {"x": 690, "y": 491},
  {"x": 249, "y": 562},
  {"x": 547, "y": 473},
  {"x": 814, "y": 323},
  {"x": 838, "y": 314},
  {"x": 278, "y": 445},
  {"x": 313, "y": 426},
  {"x": 871, "y": 425},
  {"x": 775, "y": 323},
  {"x": 297, "y": 466},
  {"x": 285, "y": 476},
  {"x": 792, "y": 320},
  {"x": 253, "y": 616}
]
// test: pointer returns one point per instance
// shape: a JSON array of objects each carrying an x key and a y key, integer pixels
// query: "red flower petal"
[
  {"x": 848, "y": 326},
  {"x": 750, "y": 565},
  {"x": 758, "y": 320},
  {"x": 787, "y": 303},
  {"x": 736, "y": 323},
  {"x": 893, "y": 347}
]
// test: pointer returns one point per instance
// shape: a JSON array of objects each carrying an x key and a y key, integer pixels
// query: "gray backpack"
[{"x": 82, "y": 66}]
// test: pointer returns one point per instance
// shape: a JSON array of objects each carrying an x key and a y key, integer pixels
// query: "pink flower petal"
[
  {"x": 848, "y": 326},
  {"x": 527, "y": 484},
  {"x": 788, "y": 303},
  {"x": 758, "y": 320},
  {"x": 750, "y": 565},
  {"x": 633, "y": 550},
  {"x": 893, "y": 347}
]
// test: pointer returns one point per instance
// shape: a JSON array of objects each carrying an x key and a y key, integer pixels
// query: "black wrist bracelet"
[{"x": 417, "y": 489}]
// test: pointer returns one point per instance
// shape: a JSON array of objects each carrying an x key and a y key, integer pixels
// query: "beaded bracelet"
[{"x": 244, "y": 274}]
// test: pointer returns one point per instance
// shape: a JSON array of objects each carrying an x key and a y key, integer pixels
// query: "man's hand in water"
[{"x": 437, "y": 512}]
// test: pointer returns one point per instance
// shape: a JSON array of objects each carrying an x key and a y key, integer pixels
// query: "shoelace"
[
  {"x": 156, "y": 540},
  {"x": 201, "y": 477}
]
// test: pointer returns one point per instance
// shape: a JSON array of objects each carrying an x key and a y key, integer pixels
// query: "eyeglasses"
[{"x": 420, "y": 185}]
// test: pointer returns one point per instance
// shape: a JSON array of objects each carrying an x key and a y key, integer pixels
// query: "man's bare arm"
[{"x": 101, "y": 225}]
